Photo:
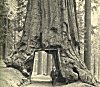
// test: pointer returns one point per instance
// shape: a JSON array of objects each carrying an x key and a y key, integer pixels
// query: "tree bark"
[{"x": 87, "y": 36}]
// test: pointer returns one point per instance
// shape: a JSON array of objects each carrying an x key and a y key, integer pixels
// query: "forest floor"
[{"x": 10, "y": 77}]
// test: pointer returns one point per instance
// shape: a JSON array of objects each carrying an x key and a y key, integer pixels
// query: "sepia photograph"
[{"x": 49, "y": 43}]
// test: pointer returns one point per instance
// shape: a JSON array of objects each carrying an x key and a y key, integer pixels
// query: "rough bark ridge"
[{"x": 51, "y": 24}]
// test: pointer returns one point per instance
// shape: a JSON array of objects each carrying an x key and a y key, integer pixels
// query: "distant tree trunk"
[
  {"x": 5, "y": 21},
  {"x": 49, "y": 63},
  {"x": 99, "y": 61},
  {"x": 87, "y": 36},
  {"x": 40, "y": 66},
  {"x": 0, "y": 51},
  {"x": 99, "y": 69}
]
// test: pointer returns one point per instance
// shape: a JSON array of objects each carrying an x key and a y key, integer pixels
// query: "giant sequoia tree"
[{"x": 52, "y": 24}]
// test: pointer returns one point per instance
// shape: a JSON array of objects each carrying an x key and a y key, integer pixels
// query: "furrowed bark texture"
[{"x": 52, "y": 23}]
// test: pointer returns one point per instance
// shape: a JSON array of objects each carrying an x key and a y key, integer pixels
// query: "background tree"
[
  {"x": 3, "y": 28},
  {"x": 95, "y": 38},
  {"x": 87, "y": 36},
  {"x": 95, "y": 5}
]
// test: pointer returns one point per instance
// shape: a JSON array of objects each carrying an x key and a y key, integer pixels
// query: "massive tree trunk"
[{"x": 52, "y": 24}]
